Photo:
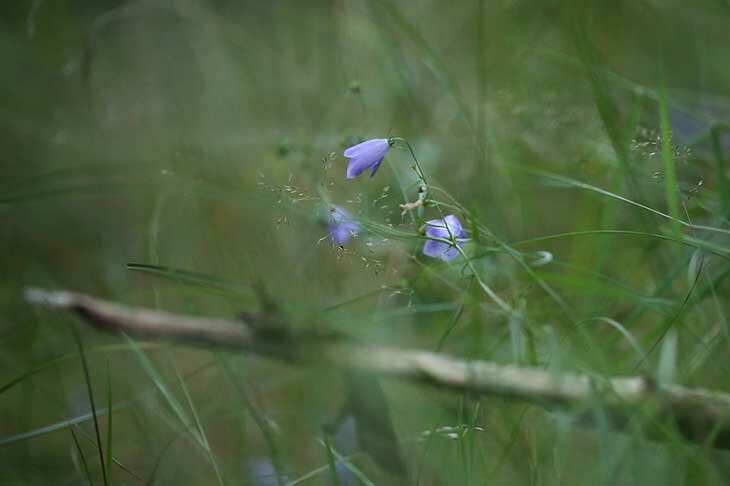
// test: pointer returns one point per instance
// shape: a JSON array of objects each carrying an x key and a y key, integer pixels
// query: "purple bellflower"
[
  {"x": 366, "y": 155},
  {"x": 341, "y": 225},
  {"x": 448, "y": 228}
]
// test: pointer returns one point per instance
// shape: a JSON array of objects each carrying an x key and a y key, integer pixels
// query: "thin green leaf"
[
  {"x": 670, "y": 172},
  {"x": 166, "y": 393},
  {"x": 109, "y": 425},
  {"x": 195, "y": 279},
  {"x": 331, "y": 461},
  {"x": 349, "y": 465},
  {"x": 90, "y": 392},
  {"x": 80, "y": 452},
  {"x": 199, "y": 425}
]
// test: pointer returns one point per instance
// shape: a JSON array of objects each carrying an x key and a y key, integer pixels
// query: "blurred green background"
[{"x": 206, "y": 137}]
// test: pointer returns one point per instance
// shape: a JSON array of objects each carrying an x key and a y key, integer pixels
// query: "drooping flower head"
[
  {"x": 366, "y": 155},
  {"x": 341, "y": 225},
  {"x": 448, "y": 228}
]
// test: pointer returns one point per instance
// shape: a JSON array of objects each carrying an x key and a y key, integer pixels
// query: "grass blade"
[
  {"x": 11, "y": 439},
  {"x": 199, "y": 425},
  {"x": 349, "y": 465},
  {"x": 582, "y": 185},
  {"x": 195, "y": 279},
  {"x": 670, "y": 171},
  {"x": 667, "y": 369},
  {"x": 331, "y": 460},
  {"x": 109, "y": 428},
  {"x": 84, "y": 464},
  {"x": 261, "y": 422},
  {"x": 166, "y": 393},
  {"x": 90, "y": 392}
]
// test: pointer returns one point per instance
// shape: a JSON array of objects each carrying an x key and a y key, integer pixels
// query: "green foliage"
[{"x": 178, "y": 155}]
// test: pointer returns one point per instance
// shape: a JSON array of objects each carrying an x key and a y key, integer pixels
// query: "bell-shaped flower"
[
  {"x": 341, "y": 225},
  {"x": 448, "y": 228},
  {"x": 366, "y": 155}
]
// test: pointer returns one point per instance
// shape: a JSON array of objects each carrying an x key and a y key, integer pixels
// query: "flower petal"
[
  {"x": 358, "y": 165},
  {"x": 352, "y": 226},
  {"x": 376, "y": 165},
  {"x": 449, "y": 254},
  {"x": 435, "y": 228},
  {"x": 339, "y": 235},
  {"x": 449, "y": 227},
  {"x": 338, "y": 215},
  {"x": 341, "y": 225},
  {"x": 454, "y": 225},
  {"x": 440, "y": 250},
  {"x": 379, "y": 145},
  {"x": 366, "y": 155},
  {"x": 434, "y": 249}
]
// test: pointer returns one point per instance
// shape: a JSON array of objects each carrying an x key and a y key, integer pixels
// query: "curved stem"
[{"x": 413, "y": 155}]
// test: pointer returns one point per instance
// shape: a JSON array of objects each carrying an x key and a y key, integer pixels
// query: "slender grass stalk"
[
  {"x": 109, "y": 425},
  {"x": 80, "y": 452},
  {"x": 198, "y": 423},
  {"x": 335, "y": 478},
  {"x": 261, "y": 421},
  {"x": 90, "y": 392},
  {"x": 670, "y": 172},
  {"x": 164, "y": 390},
  {"x": 349, "y": 465},
  {"x": 723, "y": 185}
]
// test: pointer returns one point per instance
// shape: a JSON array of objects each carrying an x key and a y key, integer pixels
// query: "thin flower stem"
[
  {"x": 415, "y": 159},
  {"x": 402, "y": 188},
  {"x": 487, "y": 290},
  {"x": 422, "y": 176}
]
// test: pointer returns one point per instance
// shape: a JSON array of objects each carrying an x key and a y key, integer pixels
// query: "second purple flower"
[
  {"x": 448, "y": 228},
  {"x": 341, "y": 225}
]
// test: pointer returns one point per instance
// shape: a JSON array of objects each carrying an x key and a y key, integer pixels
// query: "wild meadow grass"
[{"x": 187, "y": 156}]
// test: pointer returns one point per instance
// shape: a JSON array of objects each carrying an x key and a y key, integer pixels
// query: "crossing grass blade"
[
  {"x": 331, "y": 461},
  {"x": 90, "y": 392},
  {"x": 165, "y": 392},
  {"x": 349, "y": 465},
  {"x": 198, "y": 424},
  {"x": 262, "y": 423},
  {"x": 109, "y": 425},
  {"x": 63, "y": 424},
  {"x": 194, "y": 279},
  {"x": 82, "y": 457},
  {"x": 670, "y": 171}
]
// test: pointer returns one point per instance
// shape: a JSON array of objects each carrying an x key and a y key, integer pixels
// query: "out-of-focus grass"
[{"x": 178, "y": 154}]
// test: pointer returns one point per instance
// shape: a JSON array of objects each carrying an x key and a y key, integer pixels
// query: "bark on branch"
[{"x": 700, "y": 415}]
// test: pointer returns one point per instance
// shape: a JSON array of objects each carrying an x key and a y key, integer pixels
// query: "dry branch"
[{"x": 700, "y": 415}]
